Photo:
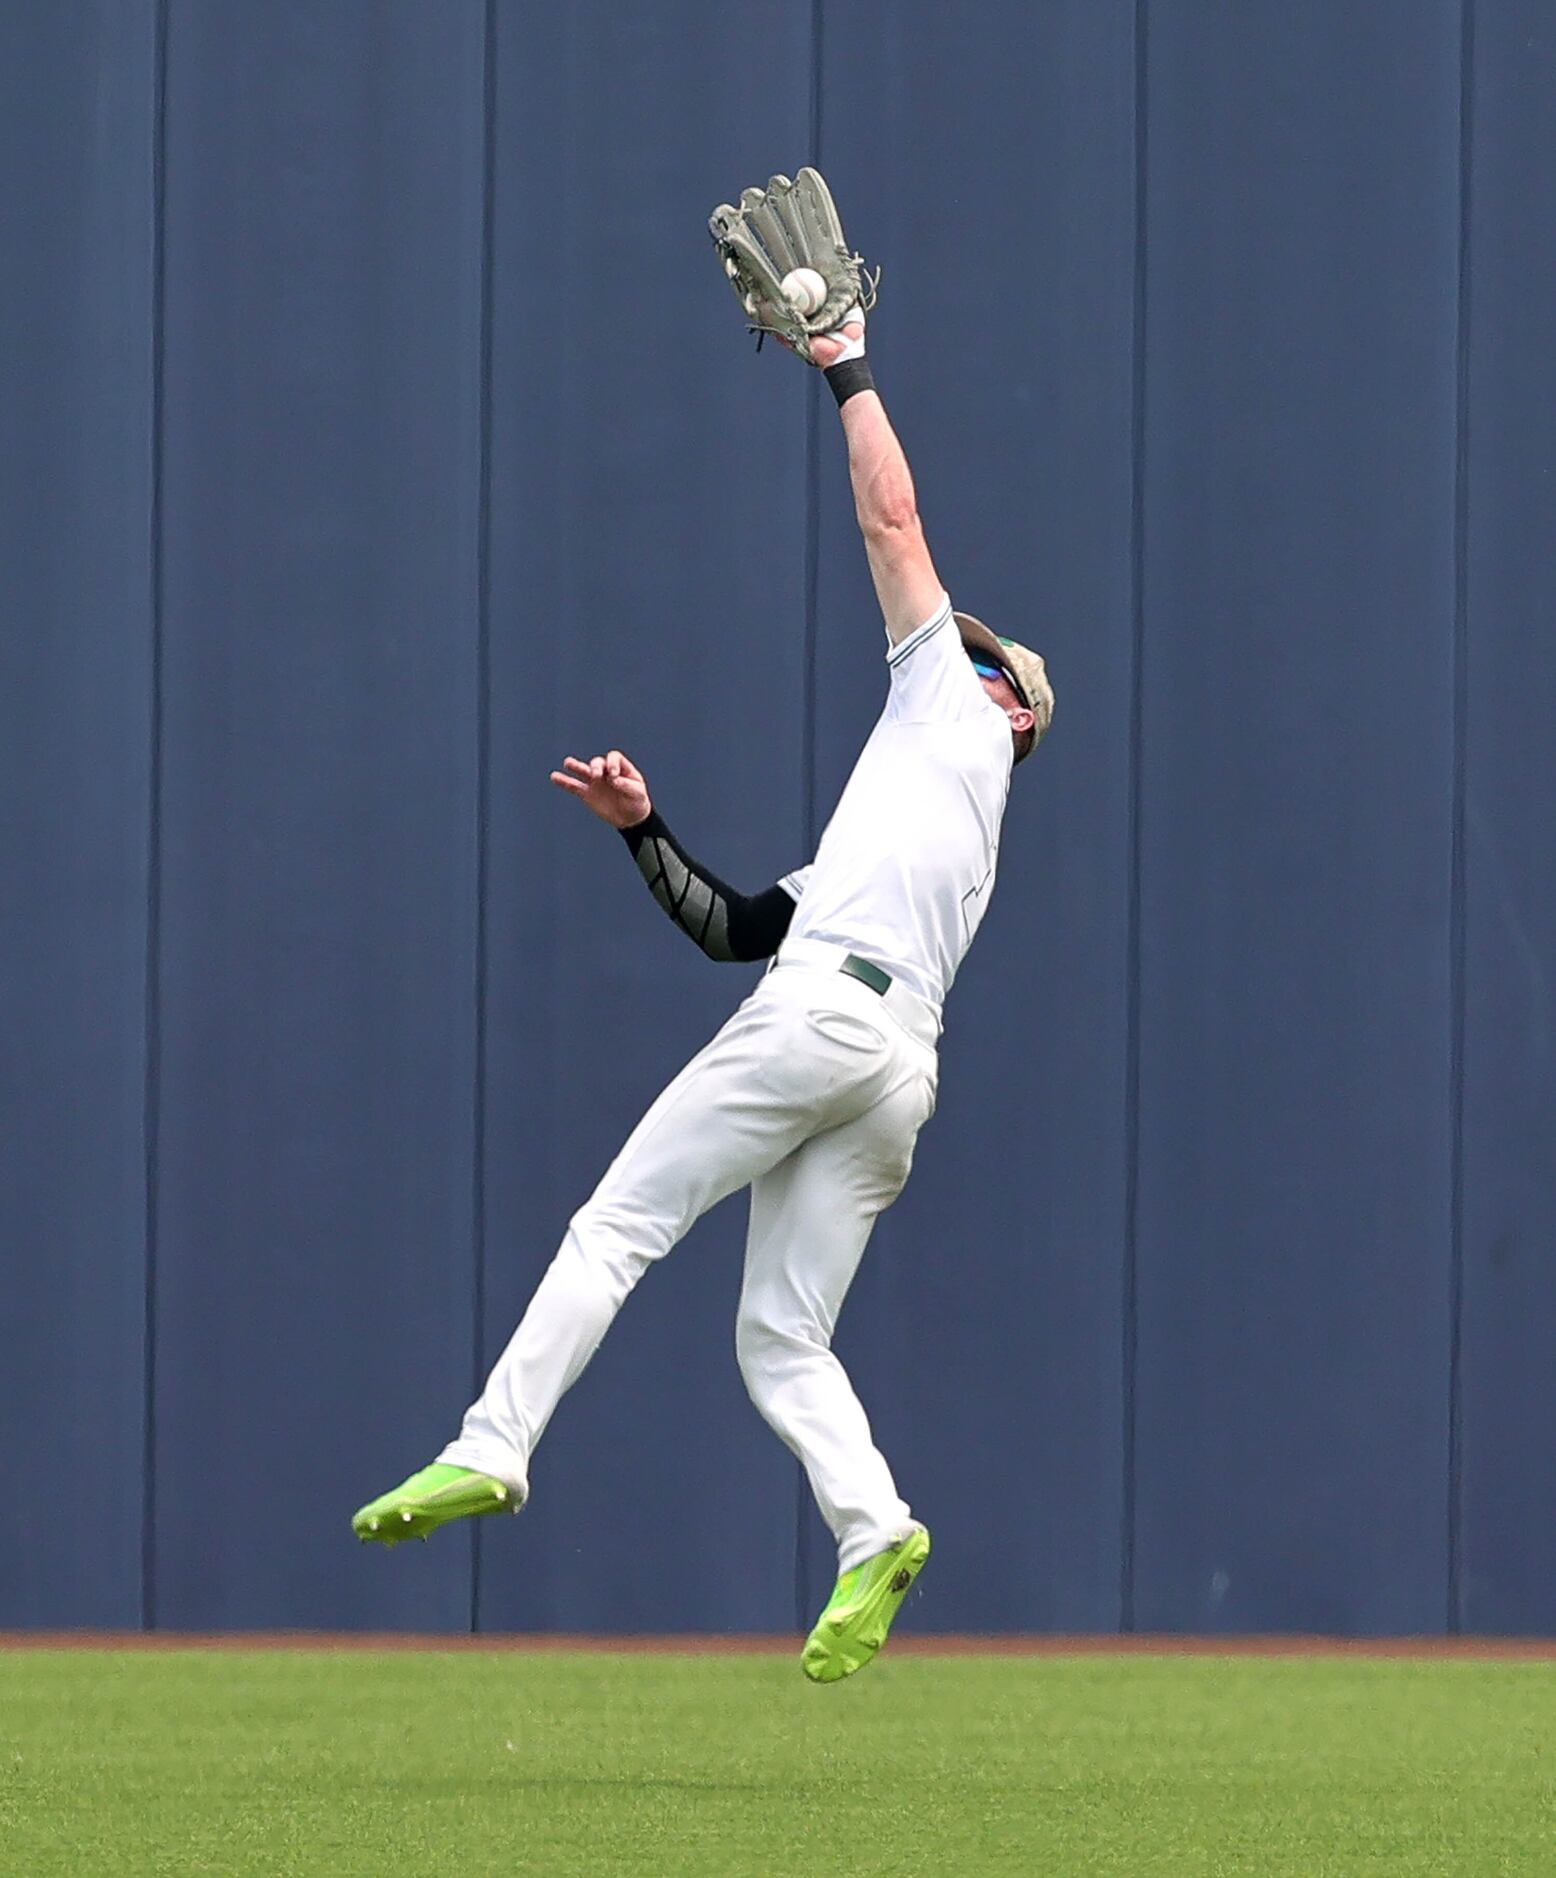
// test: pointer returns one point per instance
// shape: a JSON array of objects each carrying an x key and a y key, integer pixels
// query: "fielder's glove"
[{"x": 776, "y": 230}]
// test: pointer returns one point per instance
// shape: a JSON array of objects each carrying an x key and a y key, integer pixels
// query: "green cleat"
[
  {"x": 859, "y": 1612},
  {"x": 431, "y": 1499}
]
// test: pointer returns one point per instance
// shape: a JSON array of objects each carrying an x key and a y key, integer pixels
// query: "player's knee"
[
  {"x": 604, "y": 1232},
  {"x": 749, "y": 1347},
  {"x": 767, "y": 1351}
]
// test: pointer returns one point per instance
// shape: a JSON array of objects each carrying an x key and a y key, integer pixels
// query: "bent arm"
[
  {"x": 729, "y": 926},
  {"x": 906, "y": 583}
]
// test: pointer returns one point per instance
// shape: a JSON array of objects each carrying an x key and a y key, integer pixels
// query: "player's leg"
[
  {"x": 766, "y": 1081},
  {"x": 811, "y": 1218},
  {"x": 712, "y": 1130}
]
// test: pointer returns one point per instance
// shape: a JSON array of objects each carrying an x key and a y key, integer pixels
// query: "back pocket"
[{"x": 842, "y": 1027}]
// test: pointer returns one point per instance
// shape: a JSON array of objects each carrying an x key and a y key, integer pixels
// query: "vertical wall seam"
[
  {"x": 152, "y": 997},
  {"x": 1129, "y": 1327},
  {"x": 812, "y": 479},
  {"x": 812, "y": 585},
  {"x": 483, "y": 735},
  {"x": 1457, "y": 908}
]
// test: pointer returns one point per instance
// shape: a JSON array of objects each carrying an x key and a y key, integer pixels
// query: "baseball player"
[{"x": 813, "y": 1093}]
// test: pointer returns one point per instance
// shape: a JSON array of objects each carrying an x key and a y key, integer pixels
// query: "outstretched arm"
[
  {"x": 728, "y": 926},
  {"x": 784, "y": 252},
  {"x": 906, "y": 583}
]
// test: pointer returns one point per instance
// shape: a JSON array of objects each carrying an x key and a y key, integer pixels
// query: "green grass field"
[{"x": 284, "y": 1762}]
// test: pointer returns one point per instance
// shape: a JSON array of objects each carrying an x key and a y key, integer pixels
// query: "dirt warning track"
[{"x": 1424, "y": 1649}]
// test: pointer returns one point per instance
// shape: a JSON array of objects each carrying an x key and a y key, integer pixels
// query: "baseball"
[{"x": 805, "y": 290}]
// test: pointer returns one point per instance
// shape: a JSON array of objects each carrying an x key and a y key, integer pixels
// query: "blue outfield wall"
[
  {"x": 1296, "y": 790},
  {"x": 78, "y": 118},
  {"x": 378, "y": 430}
]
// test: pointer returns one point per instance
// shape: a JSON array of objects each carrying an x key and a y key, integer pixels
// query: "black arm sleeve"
[{"x": 727, "y": 925}]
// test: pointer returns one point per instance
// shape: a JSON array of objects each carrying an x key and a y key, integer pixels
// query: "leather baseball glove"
[{"x": 776, "y": 230}]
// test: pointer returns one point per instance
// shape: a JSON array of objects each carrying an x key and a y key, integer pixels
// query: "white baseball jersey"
[{"x": 907, "y": 862}]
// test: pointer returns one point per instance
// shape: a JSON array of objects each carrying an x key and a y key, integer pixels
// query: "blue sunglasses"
[{"x": 985, "y": 670}]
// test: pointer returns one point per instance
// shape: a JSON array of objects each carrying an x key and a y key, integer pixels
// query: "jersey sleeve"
[
  {"x": 794, "y": 884},
  {"x": 932, "y": 679}
]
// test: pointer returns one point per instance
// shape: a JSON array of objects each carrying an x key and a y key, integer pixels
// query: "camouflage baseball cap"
[{"x": 1024, "y": 668}]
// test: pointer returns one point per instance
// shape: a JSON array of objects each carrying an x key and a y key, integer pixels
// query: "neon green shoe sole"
[
  {"x": 430, "y": 1499},
  {"x": 860, "y": 1610}
]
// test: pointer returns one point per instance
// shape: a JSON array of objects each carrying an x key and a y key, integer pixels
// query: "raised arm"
[
  {"x": 784, "y": 253},
  {"x": 885, "y": 505}
]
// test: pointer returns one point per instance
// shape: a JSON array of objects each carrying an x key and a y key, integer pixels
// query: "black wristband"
[{"x": 847, "y": 377}]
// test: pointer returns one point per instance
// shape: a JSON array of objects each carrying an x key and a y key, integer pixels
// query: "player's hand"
[
  {"x": 612, "y": 786},
  {"x": 827, "y": 348}
]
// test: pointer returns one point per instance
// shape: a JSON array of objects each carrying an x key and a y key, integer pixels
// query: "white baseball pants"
[{"x": 812, "y": 1095}]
